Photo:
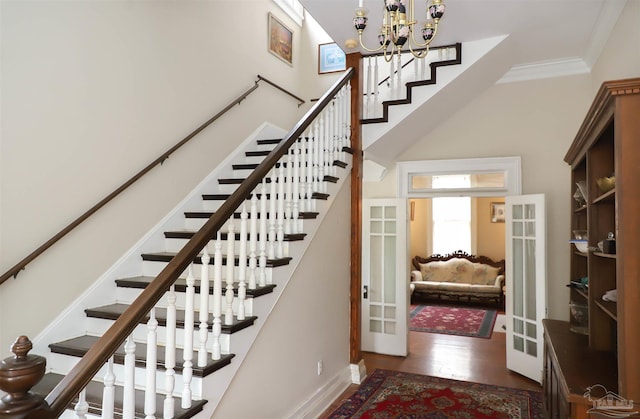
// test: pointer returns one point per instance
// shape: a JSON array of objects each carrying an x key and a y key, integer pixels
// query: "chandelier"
[{"x": 399, "y": 27}]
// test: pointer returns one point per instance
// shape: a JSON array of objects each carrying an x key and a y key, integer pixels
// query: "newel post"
[{"x": 18, "y": 375}]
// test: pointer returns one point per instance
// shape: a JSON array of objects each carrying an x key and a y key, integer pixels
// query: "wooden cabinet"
[{"x": 607, "y": 143}]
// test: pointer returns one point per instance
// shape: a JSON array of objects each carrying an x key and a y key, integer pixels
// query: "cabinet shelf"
[
  {"x": 610, "y": 308},
  {"x": 605, "y": 255},
  {"x": 606, "y": 197},
  {"x": 582, "y": 293}
]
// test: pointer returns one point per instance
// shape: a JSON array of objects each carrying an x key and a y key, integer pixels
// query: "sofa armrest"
[
  {"x": 499, "y": 281},
  {"x": 416, "y": 276}
]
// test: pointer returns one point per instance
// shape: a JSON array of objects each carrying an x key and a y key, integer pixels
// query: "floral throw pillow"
[{"x": 484, "y": 274}]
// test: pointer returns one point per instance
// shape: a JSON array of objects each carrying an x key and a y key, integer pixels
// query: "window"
[
  {"x": 498, "y": 176},
  {"x": 451, "y": 216},
  {"x": 293, "y": 8}
]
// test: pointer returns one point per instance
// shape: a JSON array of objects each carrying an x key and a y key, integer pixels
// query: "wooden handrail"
[
  {"x": 15, "y": 270},
  {"x": 99, "y": 353}
]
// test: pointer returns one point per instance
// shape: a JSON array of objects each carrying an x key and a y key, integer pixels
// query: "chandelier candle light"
[{"x": 399, "y": 26}]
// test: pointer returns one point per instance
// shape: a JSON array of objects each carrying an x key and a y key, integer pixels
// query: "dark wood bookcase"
[{"x": 608, "y": 142}]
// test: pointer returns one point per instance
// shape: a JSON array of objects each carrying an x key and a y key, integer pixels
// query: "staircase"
[{"x": 171, "y": 363}]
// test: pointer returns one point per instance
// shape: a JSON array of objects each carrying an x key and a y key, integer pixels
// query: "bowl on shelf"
[
  {"x": 606, "y": 183},
  {"x": 581, "y": 245},
  {"x": 580, "y": 234}
]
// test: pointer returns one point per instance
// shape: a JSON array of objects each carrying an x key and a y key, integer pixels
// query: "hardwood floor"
[{"x": 456, "y": 357}]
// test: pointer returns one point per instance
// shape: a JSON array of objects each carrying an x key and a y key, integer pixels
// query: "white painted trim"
[
  {"x": 358, "y": 372},
  {"x": 546, "y": 69},
  {"x": 315, "y": 405},
  {"x": 510, "y": 165}
]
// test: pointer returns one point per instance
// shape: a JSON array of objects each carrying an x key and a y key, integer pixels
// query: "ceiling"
[{"x": 544, "y": 32}]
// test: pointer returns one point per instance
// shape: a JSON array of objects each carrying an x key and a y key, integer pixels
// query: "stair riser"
[
  {"x": 64, "y": 363},
  {"x": 128, "y": 295},
  {"x": 152, "y": 268},
  {"x": 97, "y": 327}
]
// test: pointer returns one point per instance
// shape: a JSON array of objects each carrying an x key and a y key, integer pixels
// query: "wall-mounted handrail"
[
  {"x": 300, "y": 101},
  {"x": 80, "y": 375},
  {"x": 15, "y": 270}
]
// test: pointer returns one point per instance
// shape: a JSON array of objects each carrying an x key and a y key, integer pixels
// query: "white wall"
[
  {"x": 94, "y": 91},
  {"x": 309, "y": 323}
]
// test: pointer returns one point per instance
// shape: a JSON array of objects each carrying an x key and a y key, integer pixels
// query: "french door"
[
  {"x": 526, "y": 296},
  {"x": 385, "y": 277}
]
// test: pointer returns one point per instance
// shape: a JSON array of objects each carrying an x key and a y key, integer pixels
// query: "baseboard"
[
  {"x": 324, "y": 396},
  {"x": 358, "y": 372}
]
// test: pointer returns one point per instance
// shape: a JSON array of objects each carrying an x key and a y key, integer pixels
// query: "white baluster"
[
  {"x": 231, "y": 259},
  {"x": 288, "y": 208},
  {"x": 392, "y": 75},
  {"x": 108, "y": 393},
  {"x": 217, "y": 298},
  {"x": 253, "y": 241},
  {"x": 400, "y": 90},
  {"x": 203, "y": 315},
  {"x": 307, "y": 158},
  {"x": 377, "y": 85},
  {"x": 242, "y": 264},
  {"x": 370, "y": 90},
  {"x": 151, "y": 366},
  {"x": 262, "y": 255},
  {"x": 280, "y": 211},
  {"x": 170, "y": 355},
  {"x": 321, "y": 153},
  {"x": 313, "y": 164},
  {"x": 348, "y": 115},
  {"x": 189, "y": 322},
  {"x": 331, "y": 137},
  {"x": 271, "y": 248},
  {"x": 295, "y": 211},
  {"x": 128, "y": 398},
  {"x": 82, "y": 407}
]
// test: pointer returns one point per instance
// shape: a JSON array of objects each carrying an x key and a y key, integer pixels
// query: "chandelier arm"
[
  {"x": 364, "y": 47},
  {"x": 427, "y": 43},
  {"x": 419, "y": 54},
  {"x": 390, "y": 54}
]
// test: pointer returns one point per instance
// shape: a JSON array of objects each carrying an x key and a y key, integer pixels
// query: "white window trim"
[
  {"x": 293, "y": 8},
  {"x": 511, "y": 166}
]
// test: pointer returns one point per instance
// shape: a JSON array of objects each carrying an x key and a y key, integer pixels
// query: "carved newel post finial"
[{"x": 18, "y": 375}]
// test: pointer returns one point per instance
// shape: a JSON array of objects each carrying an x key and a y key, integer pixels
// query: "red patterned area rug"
[
  {"x": 393, "y": 394},
  {"x": 463, "y": 321}
]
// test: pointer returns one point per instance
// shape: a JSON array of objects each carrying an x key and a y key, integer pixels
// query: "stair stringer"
[
  {"x": 483, "y": 63},
  {"x": 72, "y": 320},
  {"x": 215, "y": 385}
]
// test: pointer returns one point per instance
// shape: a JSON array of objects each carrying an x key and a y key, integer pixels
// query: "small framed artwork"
[
  {"x": 280, "y": 40},
  {"x": 331, "y": 58},
  {"x": 497, "y": 212}
]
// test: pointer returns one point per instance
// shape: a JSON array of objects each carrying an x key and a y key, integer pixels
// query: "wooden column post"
[{"x": 354, "y": 60}]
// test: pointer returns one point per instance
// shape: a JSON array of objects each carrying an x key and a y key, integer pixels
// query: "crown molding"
[{"x": 546, "y": 69}]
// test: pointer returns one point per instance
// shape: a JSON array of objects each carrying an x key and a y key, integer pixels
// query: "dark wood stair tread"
[
  {"x": 113, "y": 311},
  {"x": 79, "y": 346},
  {"x": 236, "y": 215},
  {"x": 141, "y": 282},
  {"x": 167, "y": 256},
  {"x": 269, "y": 141},
  {"x": 185, "y": 234},
  {"x": 257, "y": 153},
  {"x": 94, "y": 399}
]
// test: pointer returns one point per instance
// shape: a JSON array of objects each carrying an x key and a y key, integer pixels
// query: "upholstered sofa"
[{"x": 458, "y": 276}]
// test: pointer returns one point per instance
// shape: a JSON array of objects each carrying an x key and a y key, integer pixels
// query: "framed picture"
[
  {"x": 331, "y": 58},
  {"x": 497, "y": 212},
  {"x": 280, "y": 40}
]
